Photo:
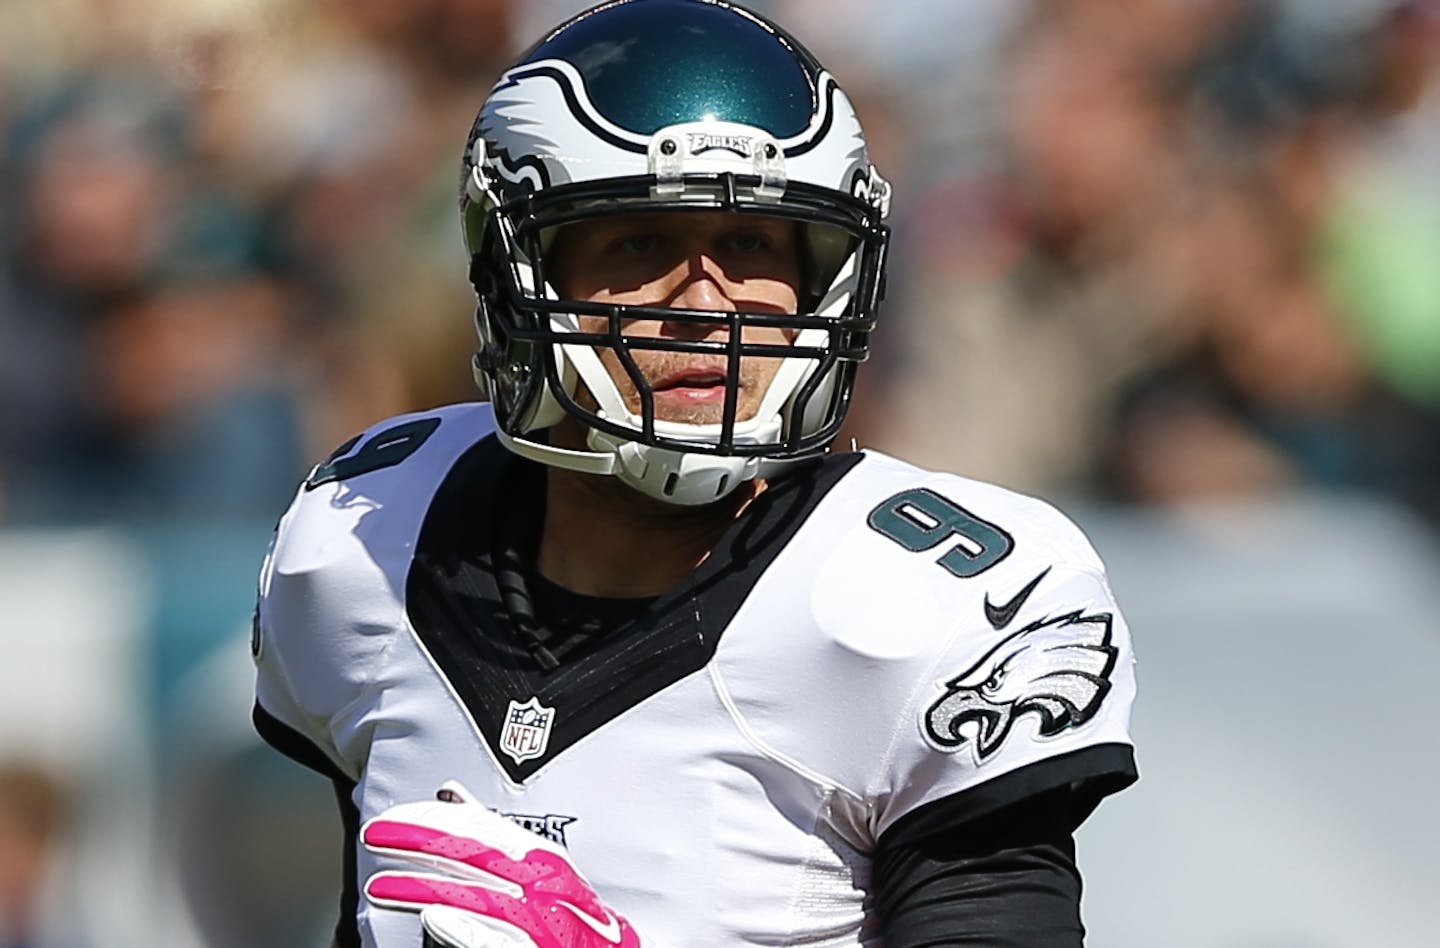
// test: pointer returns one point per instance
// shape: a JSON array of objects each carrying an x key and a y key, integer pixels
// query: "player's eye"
[
  {"x": 637, "y": 243},
  {"x": 749, "y": 242}
]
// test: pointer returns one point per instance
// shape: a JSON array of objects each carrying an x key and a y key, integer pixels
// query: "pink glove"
[{"x": 494, "y": 883}]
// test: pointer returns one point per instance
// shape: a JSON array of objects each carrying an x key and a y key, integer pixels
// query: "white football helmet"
[{"x": 661, "y": 106}]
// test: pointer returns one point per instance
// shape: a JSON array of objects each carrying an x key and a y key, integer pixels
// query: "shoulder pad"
[{"x": 331, "y": 591}]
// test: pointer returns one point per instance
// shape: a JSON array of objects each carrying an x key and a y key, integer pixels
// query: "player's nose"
[
  {"x": 704, "y": 291},
  {"x": 703, "y": 285},
  {"x": 700, "y": 284}
]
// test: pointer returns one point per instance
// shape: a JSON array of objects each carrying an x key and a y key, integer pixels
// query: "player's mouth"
[{"x": 691, "y": 386}]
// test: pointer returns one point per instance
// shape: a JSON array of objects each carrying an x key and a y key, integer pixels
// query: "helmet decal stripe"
[
  {"x": 573, "y": 88},
  {"x": 816, "y": 132}
]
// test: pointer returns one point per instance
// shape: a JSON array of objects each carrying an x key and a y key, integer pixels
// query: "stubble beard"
[{"x": 755, "y": 376}]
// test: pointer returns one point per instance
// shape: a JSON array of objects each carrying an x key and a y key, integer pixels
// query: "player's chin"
[{"x": 689, "y": 414}]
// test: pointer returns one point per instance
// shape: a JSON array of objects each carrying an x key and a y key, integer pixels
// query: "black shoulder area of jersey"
[{"x": 460, "y": 603}]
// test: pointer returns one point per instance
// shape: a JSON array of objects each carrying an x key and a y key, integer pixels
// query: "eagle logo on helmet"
[{"x": 1057, "y": 669}]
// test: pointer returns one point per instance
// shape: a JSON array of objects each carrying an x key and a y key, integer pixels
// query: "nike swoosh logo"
[
  {"x": 1001, "y": 615},
  {"x": 610, "y": 931}
]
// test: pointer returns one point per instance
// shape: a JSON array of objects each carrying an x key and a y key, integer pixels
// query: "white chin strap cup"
[{"x": 675, "y": 477}]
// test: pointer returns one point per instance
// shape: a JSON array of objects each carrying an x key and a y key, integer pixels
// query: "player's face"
[{"x": 706, "y": 260}]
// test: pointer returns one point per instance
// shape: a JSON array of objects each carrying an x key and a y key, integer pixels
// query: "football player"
[{"x": 680, "y": 673}]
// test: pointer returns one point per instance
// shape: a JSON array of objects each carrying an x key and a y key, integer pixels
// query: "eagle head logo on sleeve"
[{"x": 1057, "y": 669}]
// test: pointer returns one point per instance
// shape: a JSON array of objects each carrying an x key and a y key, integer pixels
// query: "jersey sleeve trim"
[
  {"x": 1011, "y": 882},
  {"x": 1092, "y": 773},
  {"x": 294, "y": 745}
]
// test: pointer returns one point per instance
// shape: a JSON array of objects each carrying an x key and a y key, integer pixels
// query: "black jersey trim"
[
  {"x": 1091, "y": 774},
  {"x": 461, "y": 580},
  {"x": 303, "y": 751},
  {"x": 293, "y": 744},
  {"x": 347, "y": 929}
]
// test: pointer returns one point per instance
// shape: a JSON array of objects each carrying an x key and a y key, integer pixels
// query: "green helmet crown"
[{"x": 648, "y": 64}]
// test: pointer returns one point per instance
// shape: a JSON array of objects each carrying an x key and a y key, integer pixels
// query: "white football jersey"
[{"x": 870, "y": 644}]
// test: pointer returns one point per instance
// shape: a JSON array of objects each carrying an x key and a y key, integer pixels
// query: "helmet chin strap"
[
  {"x": 674, "y": 477},
  {"x": 585, "y": 462}
]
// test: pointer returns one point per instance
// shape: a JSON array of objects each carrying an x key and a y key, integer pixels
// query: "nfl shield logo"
[{"x": 527, "y": 730}]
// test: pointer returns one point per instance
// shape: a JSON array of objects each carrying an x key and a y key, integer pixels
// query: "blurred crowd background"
[{"x": 1150, "y": 256}]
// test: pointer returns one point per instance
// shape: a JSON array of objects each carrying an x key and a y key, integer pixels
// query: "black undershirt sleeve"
[{"x": 1006, "y": 880}]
